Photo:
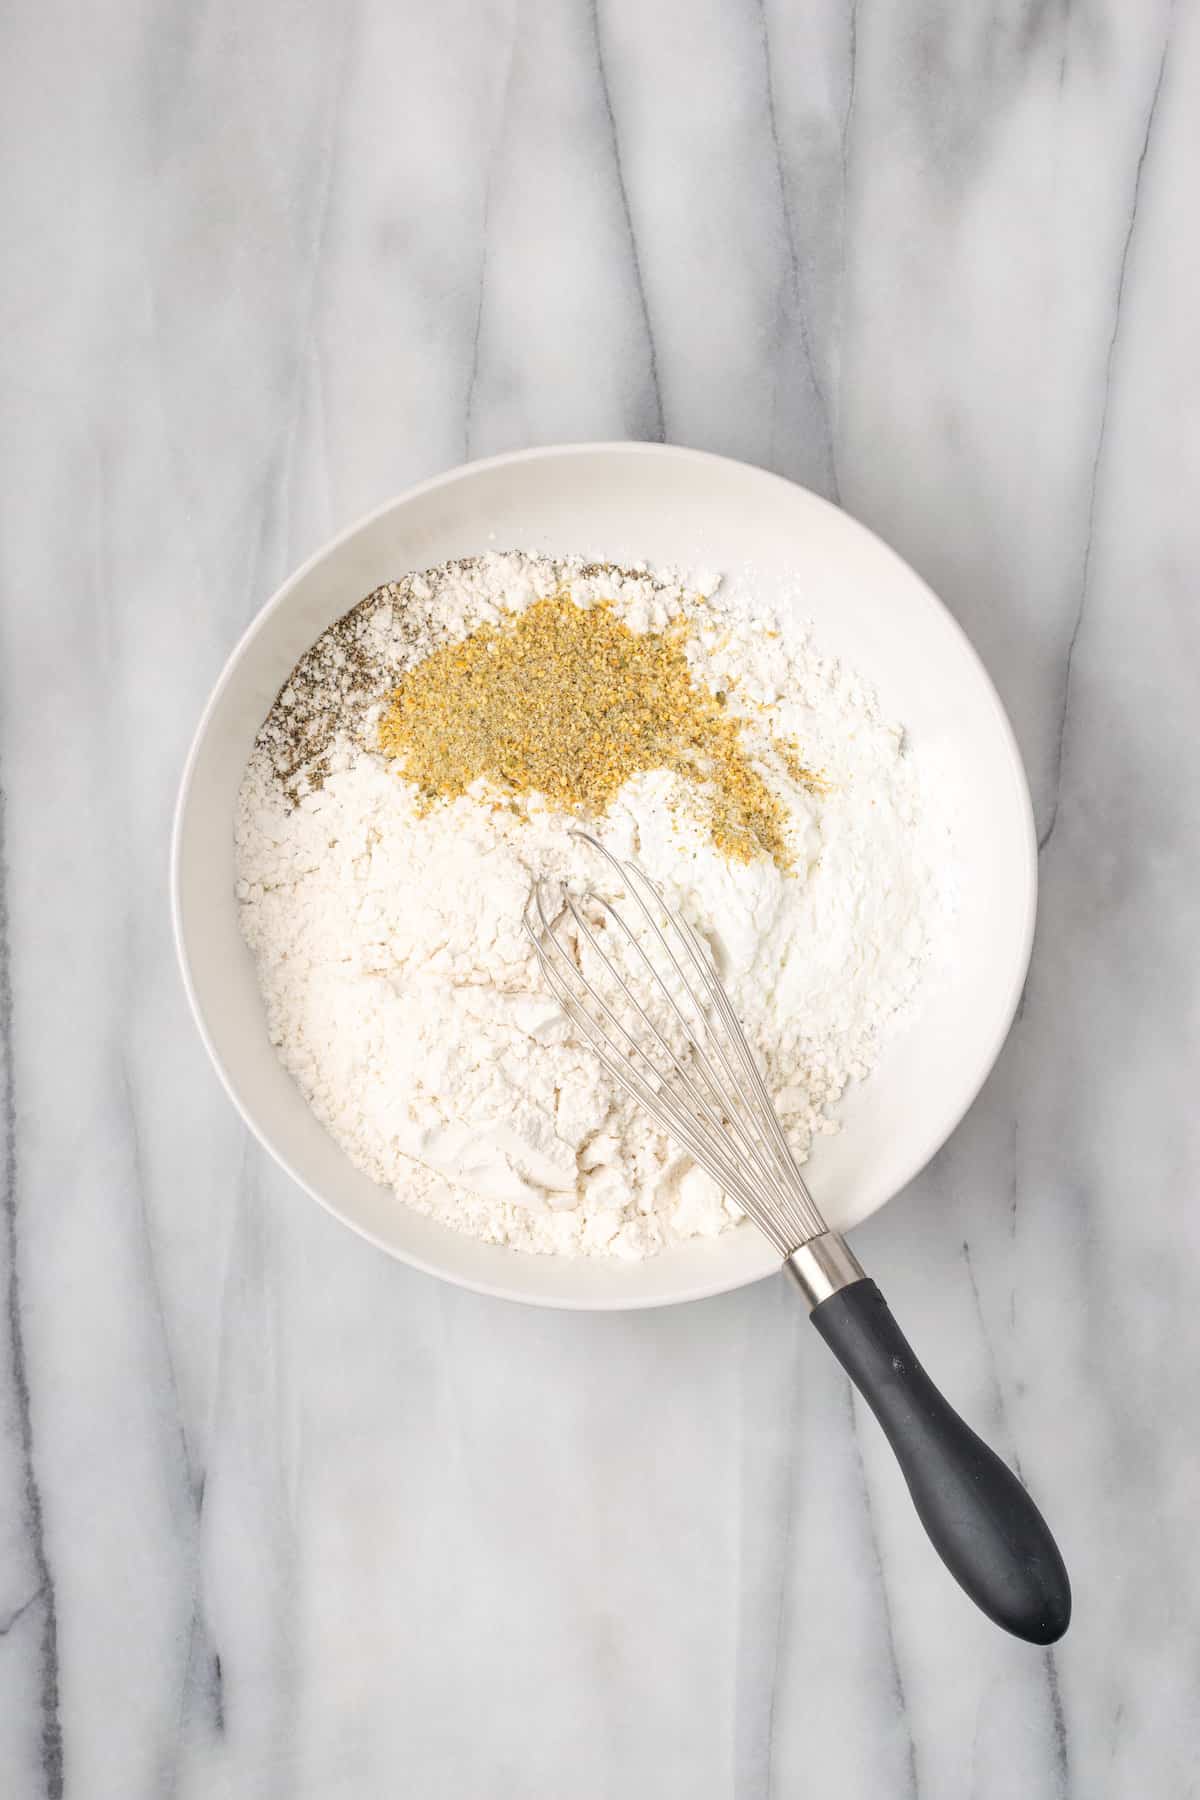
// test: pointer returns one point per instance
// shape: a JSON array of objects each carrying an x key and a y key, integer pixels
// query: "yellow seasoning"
[{"x": 568, "y": 702}]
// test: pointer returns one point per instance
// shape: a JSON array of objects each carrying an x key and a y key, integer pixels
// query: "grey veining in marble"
[{"x": 278, "y": 1516}]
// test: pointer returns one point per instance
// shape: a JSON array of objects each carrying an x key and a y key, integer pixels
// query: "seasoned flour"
[{"x": 404, "y": 998}]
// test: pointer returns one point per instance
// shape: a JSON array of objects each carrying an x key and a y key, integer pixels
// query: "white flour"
[{"x": 406, "y": 1002}]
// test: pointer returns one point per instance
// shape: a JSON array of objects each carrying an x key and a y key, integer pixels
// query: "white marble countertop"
[{"x": 278, "y": 1516}]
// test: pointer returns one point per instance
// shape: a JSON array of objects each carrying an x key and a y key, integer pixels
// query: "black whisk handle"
[{"x": 978, "y": 1516}]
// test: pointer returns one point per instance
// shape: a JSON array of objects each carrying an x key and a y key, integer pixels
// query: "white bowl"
[{"x": 625, "y": 502}]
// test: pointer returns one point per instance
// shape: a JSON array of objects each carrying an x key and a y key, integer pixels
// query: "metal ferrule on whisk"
[{"x": 823, "y": 1267}]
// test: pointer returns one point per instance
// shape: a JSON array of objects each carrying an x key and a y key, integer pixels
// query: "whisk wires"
[{"x": 681, "y": 1052}]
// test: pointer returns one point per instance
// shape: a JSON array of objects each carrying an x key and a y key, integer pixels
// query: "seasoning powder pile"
[
  {"x": 568, "y": 703},
  {"x": 423, "y": 765}
]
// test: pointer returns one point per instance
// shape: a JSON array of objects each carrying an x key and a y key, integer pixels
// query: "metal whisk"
[{"x": 683, "y": 1056}]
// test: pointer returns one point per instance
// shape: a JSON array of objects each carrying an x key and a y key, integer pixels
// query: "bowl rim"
[{"x": 731, "y": 1279}]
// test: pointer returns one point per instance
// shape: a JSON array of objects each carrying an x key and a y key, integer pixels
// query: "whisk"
[{"x": 682, "y": 1055}]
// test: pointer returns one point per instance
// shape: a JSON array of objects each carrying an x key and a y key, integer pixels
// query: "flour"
[{"x": 404, "y": 998}]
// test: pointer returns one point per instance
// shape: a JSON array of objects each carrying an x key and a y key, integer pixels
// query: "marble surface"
[{"x": 277, "y": 1516}]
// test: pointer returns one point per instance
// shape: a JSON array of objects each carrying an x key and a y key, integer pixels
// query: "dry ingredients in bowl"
[{"x": 425, "y": 761}]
